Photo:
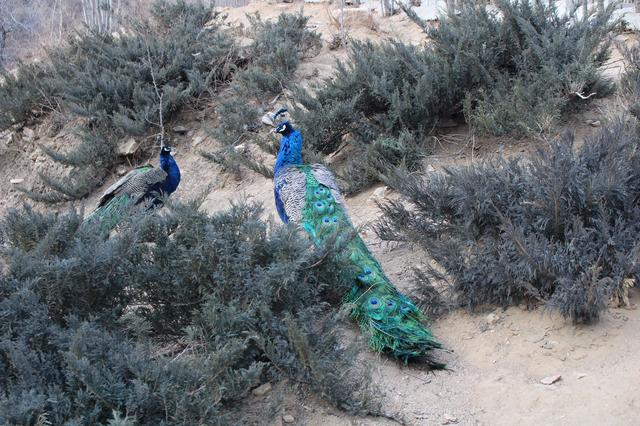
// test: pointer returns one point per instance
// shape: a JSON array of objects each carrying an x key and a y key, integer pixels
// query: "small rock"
[
  {"x": 381, "y": 192},
  {"x": 180, "y": 130},
  {"x": 288, "y": 418},
  {"x": 595, "y": 123},
  {"x": 267, "y": 120},
  {"x": 449, "y": 419},
  {"x": 262, "y": 389},
  {"x": 580, "y": 376},
  {"x": 492, "y": 318},
  {"x": 8, "y": 138},
  {"x": 430, "y": 169},
  {"x": 551, "y": 379},
  {"x": 28, "y": 134},
  {"x": 128, "y": 148},
  {"x": 240, "y": 148},
  {"x": 549, "y": 344},
  {"x": 16, "y": 181}
]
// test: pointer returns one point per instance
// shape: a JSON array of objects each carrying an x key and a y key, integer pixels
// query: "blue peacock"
[
  {"x": 143, "y": 187},
  {"x": 307, "y": 194}
]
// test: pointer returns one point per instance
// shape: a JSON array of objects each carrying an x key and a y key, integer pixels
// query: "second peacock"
[
  {"x": 144, "y": 186},
  {"x": 309, "y": 196}
]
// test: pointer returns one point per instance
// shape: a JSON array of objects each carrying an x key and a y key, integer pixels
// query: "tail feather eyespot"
[{"x": 364, "y": 278}]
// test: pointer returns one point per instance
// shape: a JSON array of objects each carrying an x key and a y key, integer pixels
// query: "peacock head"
[
  {"x": 283, "y": 128},
  {"x": 165, "y": 151}
]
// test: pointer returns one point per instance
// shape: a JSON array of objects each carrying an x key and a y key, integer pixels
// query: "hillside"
[{"x": 498, "y": 357}]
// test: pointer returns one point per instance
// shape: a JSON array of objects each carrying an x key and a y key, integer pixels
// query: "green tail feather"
[
  {"x": 393, "y": 322},
  {"x": 107, "y": 217}
]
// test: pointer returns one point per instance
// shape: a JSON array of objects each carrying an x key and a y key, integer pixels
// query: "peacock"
[
  {"x": 144, "y": 187},
  {"x": 307, "y": 194}
]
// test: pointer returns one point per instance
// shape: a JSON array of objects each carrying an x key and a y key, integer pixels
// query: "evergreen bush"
[
  {"x": 515, "y": 72},
  {"x": 559, "y": 228},
  {"x": 20, "y": 94},
  {"x": 276, "y": 50},
  {"x": 120, "y": 83},
  {"x": 171, "y": 321}
]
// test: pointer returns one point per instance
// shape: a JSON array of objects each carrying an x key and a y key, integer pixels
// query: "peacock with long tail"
[
  {"x": 307, "y": 194},
  {"x": 143, "y": 187}
]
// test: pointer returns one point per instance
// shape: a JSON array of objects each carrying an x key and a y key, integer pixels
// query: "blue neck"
[
  {"x": 169, "y": 165},
  {"x": 290, "y": 152}
]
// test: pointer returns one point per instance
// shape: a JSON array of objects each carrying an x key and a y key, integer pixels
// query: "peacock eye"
[
  {"x": 326, "y": 220},
  {"x": 367, "y": 270},
  {"x": 335, "y": 219},
  {"x": 373, "y": 301}
]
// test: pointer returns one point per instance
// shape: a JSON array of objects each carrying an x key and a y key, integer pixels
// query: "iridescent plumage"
[
  {"x": 309, "y": 195},
  {"x": 144, "y": 187}
]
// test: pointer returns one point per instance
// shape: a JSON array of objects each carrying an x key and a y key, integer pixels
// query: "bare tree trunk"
[
  {"x": 451, "y": 6},
  {"x": 387, "y": 7},
  {"x": 637, "y": 6},
  {"x": 342, "y": 34},
  {"x": 3, "y": 44},
  {"x": 585, "y": 8},
  {"x": 60, "y": 21},
  {"x": 84, "y": 12},
  {"x": 52, "y": 25}
]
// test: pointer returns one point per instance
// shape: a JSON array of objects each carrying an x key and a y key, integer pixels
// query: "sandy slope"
[{"x": 497, "y": 360}]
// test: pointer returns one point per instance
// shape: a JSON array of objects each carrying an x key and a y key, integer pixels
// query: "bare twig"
[{"x": 160, "y": 96}]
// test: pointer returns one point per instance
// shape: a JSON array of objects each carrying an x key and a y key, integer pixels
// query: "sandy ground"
[{"x": 498, "y": 357}]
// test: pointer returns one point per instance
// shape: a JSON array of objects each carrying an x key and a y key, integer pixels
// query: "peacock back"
[{"x": 131, "y": 190}]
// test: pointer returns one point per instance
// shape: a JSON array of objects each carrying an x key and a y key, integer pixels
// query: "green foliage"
[
  {"x": 528, "y": 65},
  {"x": 121, "y": 83},
  {"x": 23, "y": 92},
  {"x": 274, "y": 54},
  {"x": 515, "y": 72},
  {"x": 559, "y": 228},
  {"x": 238, "y": 118},
  {"x": 379, "y": 159},
  {"x": 171, "y": 321},
  {"x": 110, "y": 79},
  {"x": 277, "y": 49},
  {"x": 630, "y": 81},
  {"x": 387, "y": 88}
]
